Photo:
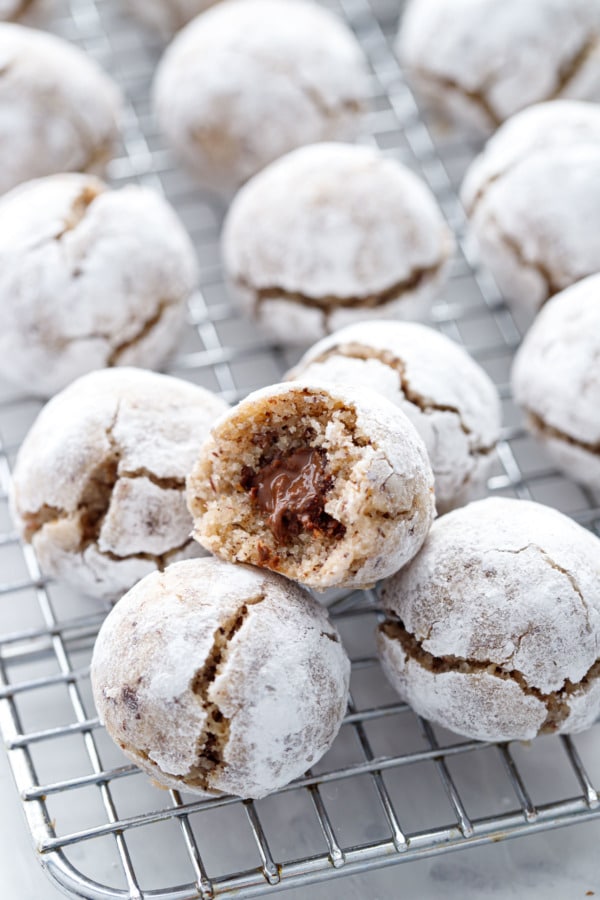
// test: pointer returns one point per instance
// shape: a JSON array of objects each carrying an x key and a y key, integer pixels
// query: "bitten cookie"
[
  {"x": 167, "y": 16},
  {"x": 99, "y": 483},
  {"x": 332, "y": 234},
  {"x": 480, "y": 61},
  {"x": 449, "y": 398},
  {"x": 58, "y": 110},
  {"x": 251, "y": 79},
  {"x": 89, "y": 277},
  {"x": 329, "y": 485},
  {"x": 533, "y": 200},
  {"x": 494, "y": 629},
  {"x": 556, "y": 380},
  {"x": 220, "y": 679}
]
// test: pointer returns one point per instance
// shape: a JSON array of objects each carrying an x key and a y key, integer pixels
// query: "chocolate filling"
[{"x": 290, "y": 490}]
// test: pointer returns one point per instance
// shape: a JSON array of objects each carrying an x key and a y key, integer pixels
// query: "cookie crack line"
[
  {"x": 572, "y": 66},
  {"x": 534, "y": 265},
  {"x": 539, "y": 425},
  {"x": 147, "y": 326},
  {"x": 21, "y": 8},
  {"x": 556, "y": 702},
  {"x": 477, "y": 98},
  {"x": 328, "y": 303},
  {"x": 364, "y": 352},
  {"x": 79, "y": 208},
  {"x": 212, "y": 742}
]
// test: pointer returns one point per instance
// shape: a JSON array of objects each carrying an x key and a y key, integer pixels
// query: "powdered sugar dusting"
[{"x": 282, "y": 683}]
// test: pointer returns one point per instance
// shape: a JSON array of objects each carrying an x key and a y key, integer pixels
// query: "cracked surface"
[
  {"x": 359, "y": 235},
  {"x": 379, "y": 497},
  {"x": 556, "y": 380},
  {"x": 59, "y": 109},
  {"x": 99, "y": 483},
  {"x": 230, "y": 127},
  {"x": 494, "y": 629},
  {"x": 482, "y": 62},
  {"x": 89, "y": 278},
  {"x": 533, "y": 198},
  {"x": 220, "y": 678},
  {"x": 449, "y": 399}
]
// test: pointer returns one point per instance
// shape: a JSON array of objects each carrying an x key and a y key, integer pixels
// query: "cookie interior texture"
[{"x": 270, "y": 492}]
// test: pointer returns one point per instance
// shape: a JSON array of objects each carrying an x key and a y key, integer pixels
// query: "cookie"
[
  {"x": 493, "y": 630},
  {"x": 220, "y": 679},
  {"x": 99, "y": 483},
  {"x": 167, "y": 16},
  {"x": 556, "y": 380},
  {"x": 59, "y": 111},
  {"x": 250, "y": 80},
  {"x": 533, "y": 200},
  {"x": 480, "y": 61},
  {"x": 89, "y": 277},
  {"x": 328, "y": 485},
  {"x": 448, "y": 398},
  {"x": 332, "y": 234}
]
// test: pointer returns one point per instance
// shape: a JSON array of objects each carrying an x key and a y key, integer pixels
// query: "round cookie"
[
  {"x": 493, "y": 630},
  {"x": 250, "y": 80},
  {"x": 556, "y": 380},
  {"x": 533, "y": 200},
  {"x": 99, "y": 483},
  {"x": 89, "y": 277},
  {"x": 480, "y": 61},
  {"x": 449, "y": 398},
  {"x": 58, "y": 110},
  {"x": 220, "y": 679},
  {"x": 167, "y": 16},
  {"x": 332, "y": 234},
  {"x": 328, "y": 485}
]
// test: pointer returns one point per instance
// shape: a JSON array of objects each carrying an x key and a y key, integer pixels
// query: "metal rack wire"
[{"x": 393, "y": 788}]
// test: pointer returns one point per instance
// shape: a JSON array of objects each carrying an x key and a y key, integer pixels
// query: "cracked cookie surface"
[
  {"x": 494, "y": 629},
  {"x": 89, "y": 277},
  {"x": 359, "y": 236},
  {"x": 211, "y": 96},
  {"x": 59, "y": 111},
  {"x": 449, "y": 399},
  {"x": 328, "y": 485},
  {"x": 99, "y": 483},
  {"x": 220, "y": 679},
  {"x": 533, "y": 200},
  {"x": 556, "y": 380},
  {"x": 480, "y": 62}
]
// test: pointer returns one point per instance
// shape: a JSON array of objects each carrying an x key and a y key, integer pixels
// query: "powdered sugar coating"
[
  {"x": 556, "y": 379},
  {"x": 58, "y": 110},
  {"x": 480, "y": 61},
  {"x": 98, "y": 485},
  {"x": 167, "y": 16},
  {"x": 533, "y": 199},
  {"x": 359, "y": 235},
  {"x": 448, "y": 398},
  {"x": 250, "y": 80},
  {"x": 89, "y": 277},
  {"x": 504, "y": 595},
  {"x": 280, "y": 682},
  {"x": 385, "y": 501}
]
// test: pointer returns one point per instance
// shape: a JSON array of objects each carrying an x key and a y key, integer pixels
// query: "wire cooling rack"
[{"x": 393, "y": 787}]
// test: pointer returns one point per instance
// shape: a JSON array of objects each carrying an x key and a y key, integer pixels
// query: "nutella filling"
[{"x": 291, "y": 490}]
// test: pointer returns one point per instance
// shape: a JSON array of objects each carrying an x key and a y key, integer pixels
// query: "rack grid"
[{"x": 393, "y": 787}]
